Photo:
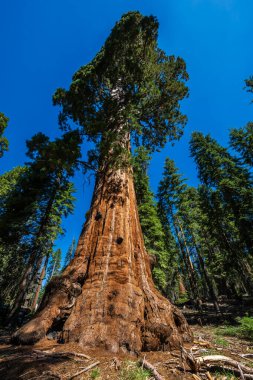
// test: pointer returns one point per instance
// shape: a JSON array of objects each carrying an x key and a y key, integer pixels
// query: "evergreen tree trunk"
[
  {"x": 188, "y": 263},
  {"x": 209, "y": 282},
  {"x": 106, "y": 297},
  {"x": 39, "y": 285}
]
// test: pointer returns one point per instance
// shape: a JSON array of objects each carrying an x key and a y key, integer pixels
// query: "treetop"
[{"x": 131, "y": 86}]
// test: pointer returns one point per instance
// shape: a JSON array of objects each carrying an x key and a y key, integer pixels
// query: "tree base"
[
  {"x": 106, "y": 296},
  {"x": 162, "y": 328}
]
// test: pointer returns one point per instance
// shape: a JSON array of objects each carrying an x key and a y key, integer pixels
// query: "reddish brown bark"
[{"x": 106, "y": 296}]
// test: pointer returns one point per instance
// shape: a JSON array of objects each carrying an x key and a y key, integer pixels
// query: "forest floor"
[{"x": 48, "y": 360}]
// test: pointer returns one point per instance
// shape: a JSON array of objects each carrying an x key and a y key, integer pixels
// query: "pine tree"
[
  {"x": 130, "y": 89},
  {"x": 225, "y": 258},
  {"x": 233, "y": 197},
  {"x": 3, "y": 140},
  {"x": 170, "y": 191},
  {"x": 194, "y": 226},
  {"x": 217, "y": 168},
  {"x": 32, "y": 214}
]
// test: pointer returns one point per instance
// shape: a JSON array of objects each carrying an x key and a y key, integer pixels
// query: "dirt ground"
[{"x": 28, "y": 362}]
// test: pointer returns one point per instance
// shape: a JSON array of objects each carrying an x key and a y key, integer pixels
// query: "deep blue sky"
[{"x": 43, "y": 42}]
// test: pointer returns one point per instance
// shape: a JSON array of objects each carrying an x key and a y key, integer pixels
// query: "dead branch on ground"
[
  {"x": 83, "y": 370},
  {"x": 59, "y": 354},
  {"x": 151, "y": 368},
  {"x": 217, "y": 361}
]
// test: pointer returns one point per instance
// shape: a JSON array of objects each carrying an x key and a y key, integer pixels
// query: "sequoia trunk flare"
[{"x": 106, "y": 296}]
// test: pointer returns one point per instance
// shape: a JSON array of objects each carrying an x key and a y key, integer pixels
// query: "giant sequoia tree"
[{"x": 106, "y": 296}]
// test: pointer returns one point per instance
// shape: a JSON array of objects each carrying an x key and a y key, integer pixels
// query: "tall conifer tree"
[
  {"x": 170, "y": 192},
  {"x": 33, "y": 211},
  {"x": 220, "y": 171}
]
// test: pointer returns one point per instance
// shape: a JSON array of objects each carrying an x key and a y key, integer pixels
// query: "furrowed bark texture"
[{"x": 106, "y": 297}]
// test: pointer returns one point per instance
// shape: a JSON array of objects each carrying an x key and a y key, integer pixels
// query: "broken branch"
[
  {"x": 84, "y": 370},
  {"x": 151, "y": 368},
  {"x": 58, "y": 354},
  {"x": 212, "y": 360}
]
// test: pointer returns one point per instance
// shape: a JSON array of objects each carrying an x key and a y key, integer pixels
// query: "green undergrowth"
[
  {"x": 243, "y": 329},
  {"x": 224, "y": 374},
  {"x": 131, "y": 371},
  {"x": 95, "y": 374},
  {"x": 221, "y": 342}
]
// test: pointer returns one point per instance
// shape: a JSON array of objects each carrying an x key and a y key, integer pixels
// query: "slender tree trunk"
[
  {"x": 247, "y": 274},
  {"x": 188, "y": 262},
  {"x": 209, "y": 282},
  {"x": 37, "y": 293},
  {"x": 242, "y": 268},
  {"x": 106, "y": 296},
  {"x": 207, "y": 278}
]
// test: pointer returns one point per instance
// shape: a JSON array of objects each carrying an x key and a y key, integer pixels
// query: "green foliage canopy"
[
  {"x": 130, "y": 87},
  {"x": 242, "y": 141}
]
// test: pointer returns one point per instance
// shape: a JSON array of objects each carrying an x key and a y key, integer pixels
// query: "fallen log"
[
  {"x": 58, "y": 354},
  {"x": 83, "y": 370},
  {"x": 151, "y": 368},
  {"x": 217, "y": 361},
  {"x": 214, "y": 360}
]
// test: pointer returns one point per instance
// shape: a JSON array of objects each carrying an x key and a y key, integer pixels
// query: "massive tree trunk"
[{"x": 106, "y": 297}]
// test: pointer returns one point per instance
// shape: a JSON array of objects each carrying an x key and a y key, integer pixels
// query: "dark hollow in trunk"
[{"x": 106, "y": 296}]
